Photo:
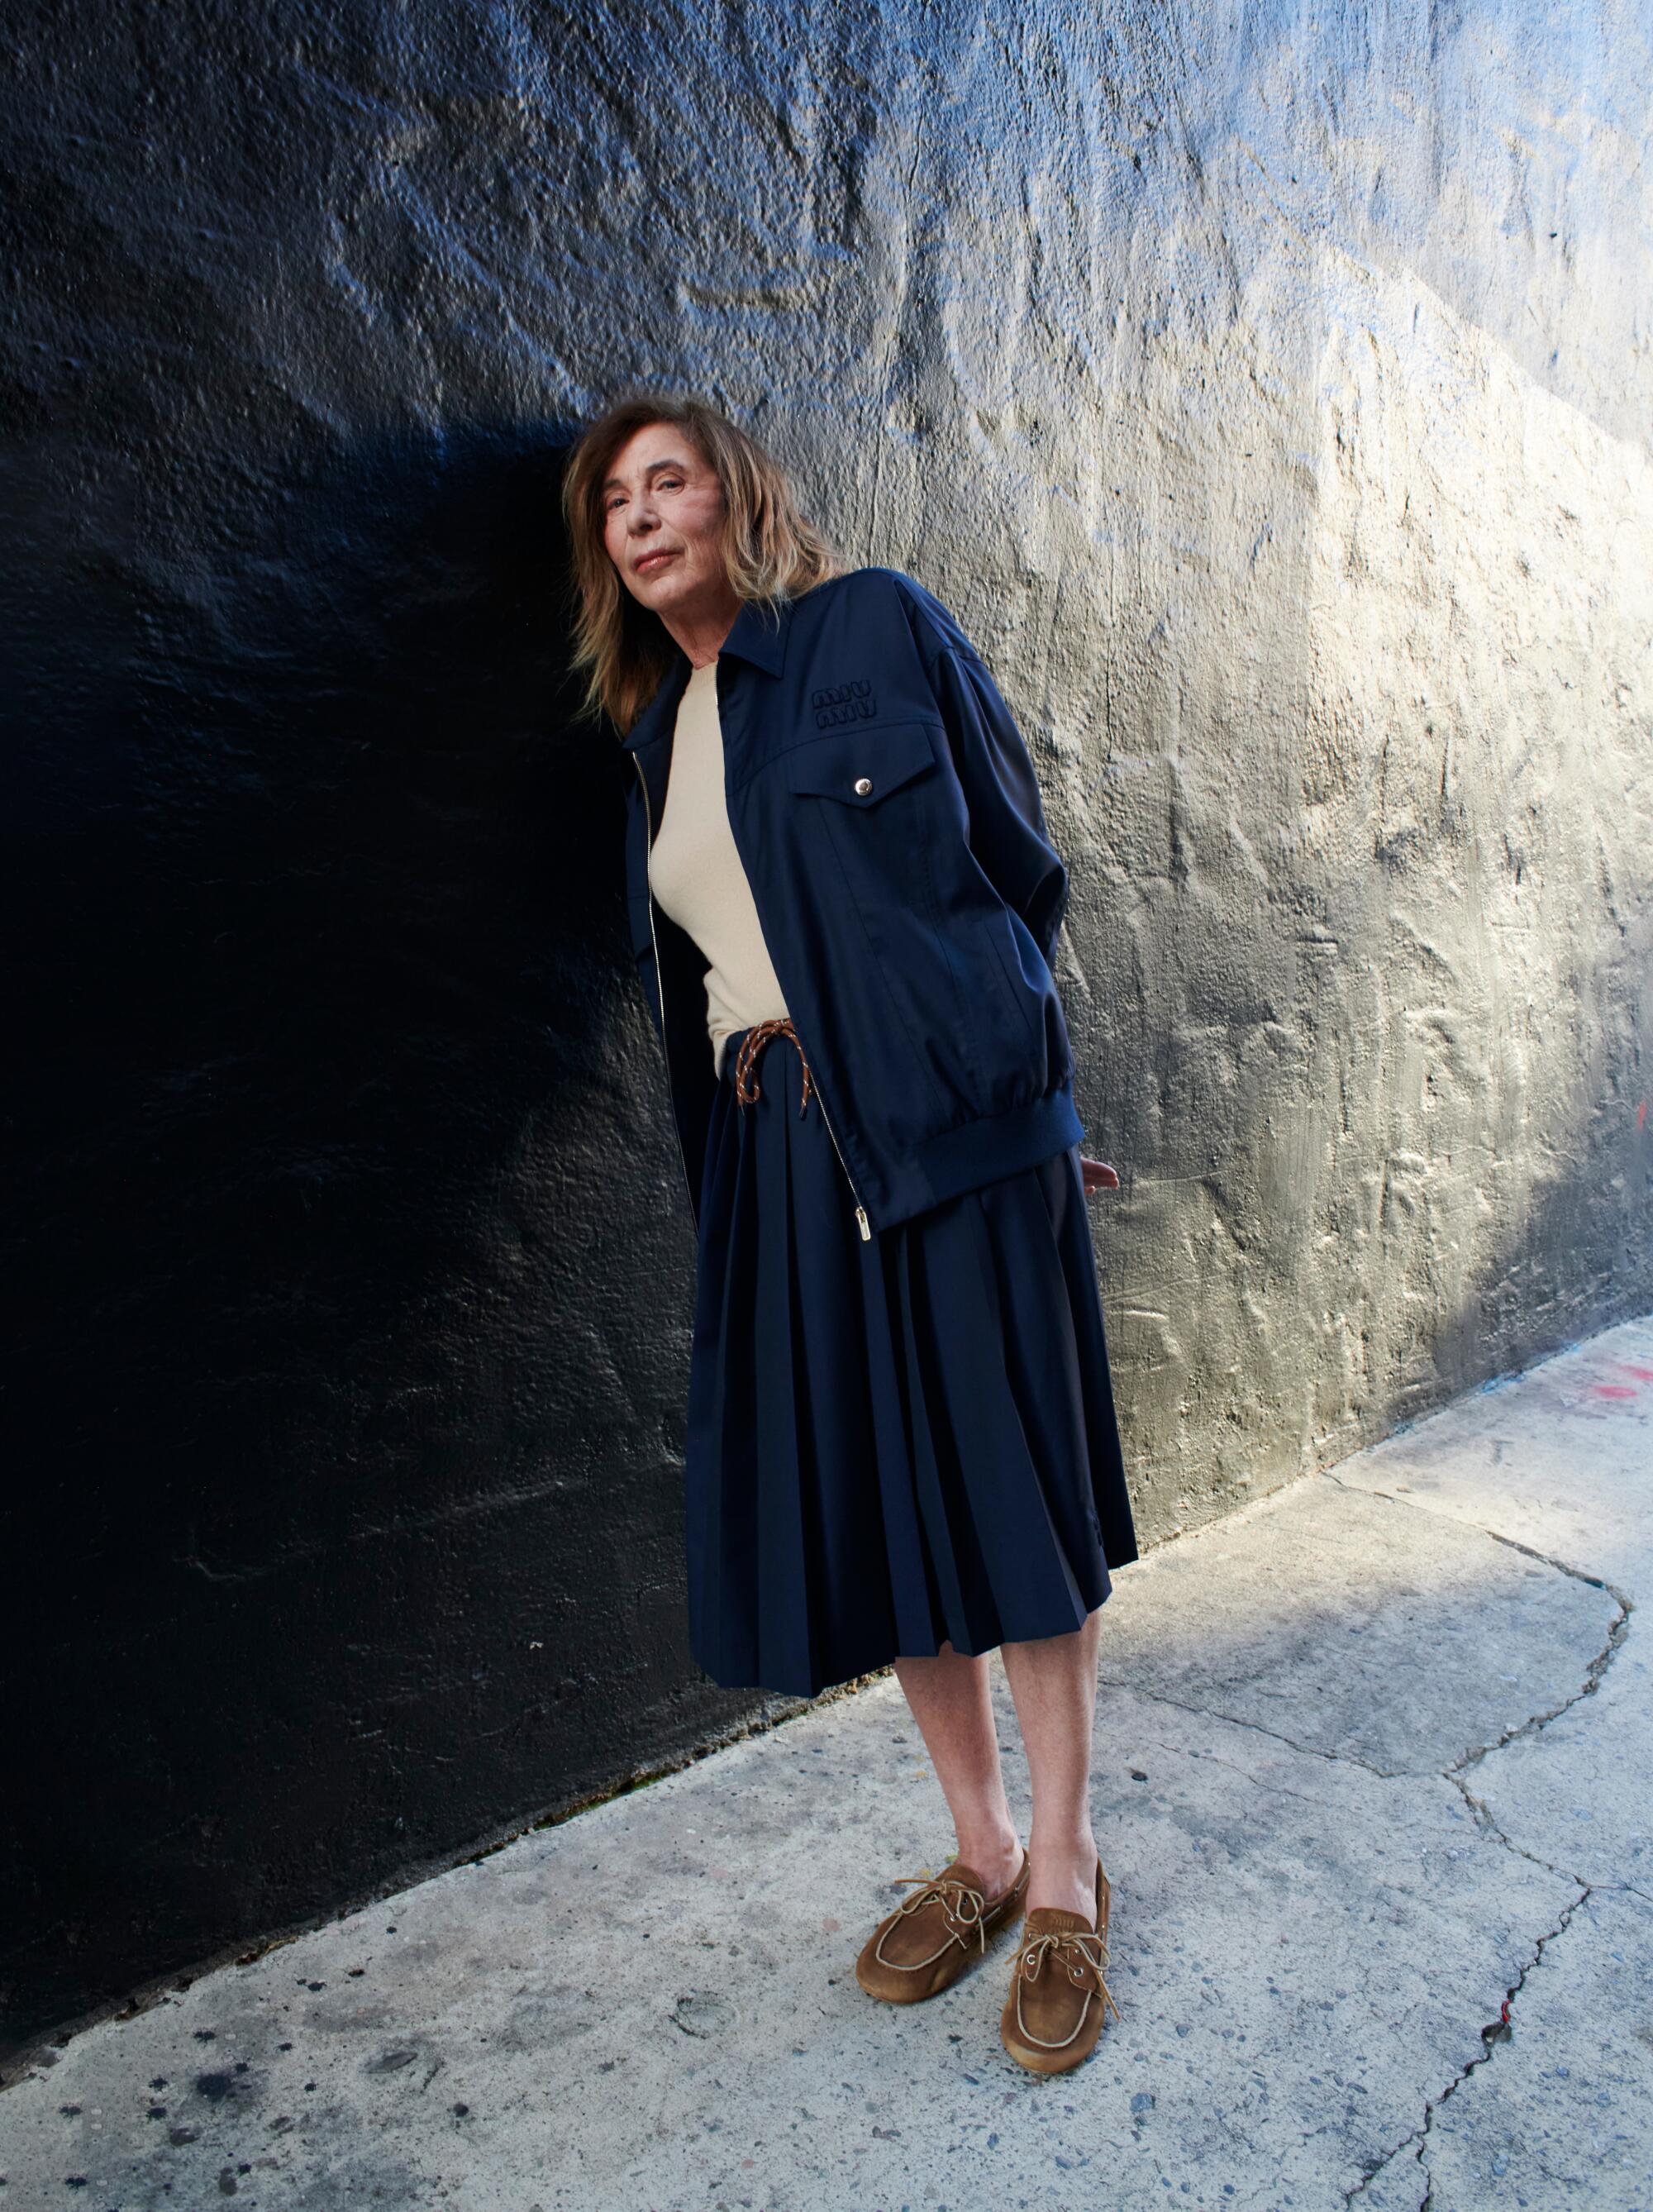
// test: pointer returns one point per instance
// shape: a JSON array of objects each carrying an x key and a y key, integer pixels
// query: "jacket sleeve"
[{"x": 1009, "y": 835}]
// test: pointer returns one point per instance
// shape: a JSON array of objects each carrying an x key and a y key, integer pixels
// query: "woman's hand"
[{"x": 1098, "y": 1176}]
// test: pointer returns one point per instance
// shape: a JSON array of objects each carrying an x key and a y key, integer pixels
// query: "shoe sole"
[{"x": 1048, "y": 2062}]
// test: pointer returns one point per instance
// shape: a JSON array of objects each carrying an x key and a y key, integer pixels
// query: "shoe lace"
[
  {"x": 961, "y": 1904},
  {"x": 1087, "y": 1943}
]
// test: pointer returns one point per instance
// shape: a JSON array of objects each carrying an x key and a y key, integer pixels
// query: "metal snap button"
[{"x": 863, "y": 785}]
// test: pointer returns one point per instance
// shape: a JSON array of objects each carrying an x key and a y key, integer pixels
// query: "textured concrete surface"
[
  {"x": 1371, "y": 1785},
  {"x": 1267, "y": 389}
]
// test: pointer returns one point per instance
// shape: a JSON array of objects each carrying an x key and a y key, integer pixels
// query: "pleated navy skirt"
[{"x": 895, "y": 1442}]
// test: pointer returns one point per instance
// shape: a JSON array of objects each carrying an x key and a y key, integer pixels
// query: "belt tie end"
[{"x": 755, "y": 1038}]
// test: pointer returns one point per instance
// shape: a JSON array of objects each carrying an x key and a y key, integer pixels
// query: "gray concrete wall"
[{"x": 1267, "y": 393}]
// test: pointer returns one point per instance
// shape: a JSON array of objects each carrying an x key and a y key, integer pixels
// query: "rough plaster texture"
[
  {"x": 1380, "y": 1935},
  {"x": 1268, "y": 391}
]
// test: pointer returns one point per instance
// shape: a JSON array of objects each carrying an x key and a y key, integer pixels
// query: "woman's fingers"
[{"x": 1098, "y": 1176}]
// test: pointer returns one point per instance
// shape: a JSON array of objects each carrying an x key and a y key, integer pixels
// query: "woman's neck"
[{"x": 701, "y": 629}]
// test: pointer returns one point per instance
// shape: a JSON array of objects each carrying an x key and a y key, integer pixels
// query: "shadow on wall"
[{"x": 337, "y": 1538}]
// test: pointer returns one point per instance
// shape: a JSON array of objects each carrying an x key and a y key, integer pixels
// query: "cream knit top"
[{"x": 695, "y": 872}]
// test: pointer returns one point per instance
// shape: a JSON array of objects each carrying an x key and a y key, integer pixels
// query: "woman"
[{"x": 902, "y": 1444}]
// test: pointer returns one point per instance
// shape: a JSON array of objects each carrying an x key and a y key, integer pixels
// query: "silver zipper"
[
  {"x": 659, "y": 986},
  {"x": 660, "y": 980},
  {"x": 860, "y": 1210}
]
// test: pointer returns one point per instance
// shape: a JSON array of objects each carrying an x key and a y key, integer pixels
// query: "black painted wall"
[{"x": 1268, "y": 394}]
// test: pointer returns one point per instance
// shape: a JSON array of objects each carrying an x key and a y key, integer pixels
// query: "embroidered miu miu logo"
[{"x": 843, "y": 703}]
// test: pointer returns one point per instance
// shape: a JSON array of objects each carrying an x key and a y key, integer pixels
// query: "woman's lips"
[{"x": 651, "y": 562}]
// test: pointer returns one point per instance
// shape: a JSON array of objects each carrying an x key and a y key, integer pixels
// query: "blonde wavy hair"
[{"x": 771, "y": 552}]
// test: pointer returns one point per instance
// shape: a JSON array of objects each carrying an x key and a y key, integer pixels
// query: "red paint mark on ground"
[
  {"x": 1642, "y": 1374},
  {"x": 1641, "y": 1114},
  {"x": 1615, "y": 1389}
]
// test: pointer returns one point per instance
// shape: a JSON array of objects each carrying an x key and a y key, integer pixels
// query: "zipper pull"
[{"x": 860, "y": 1216}]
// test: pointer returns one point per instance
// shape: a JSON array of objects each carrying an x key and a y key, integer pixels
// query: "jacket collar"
[{"x": 758, "y": 634}]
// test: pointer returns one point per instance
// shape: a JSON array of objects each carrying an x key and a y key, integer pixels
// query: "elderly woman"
[{"x": 900, "y": 1437}]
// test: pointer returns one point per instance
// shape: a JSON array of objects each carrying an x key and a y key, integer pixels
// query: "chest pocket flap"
[{"x": 861, "y": 766}]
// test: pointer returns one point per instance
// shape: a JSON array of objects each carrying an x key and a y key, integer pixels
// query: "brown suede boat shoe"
[
  {"x": 1058, "y": 2000},
  {"x": 932, "y": 1936}
]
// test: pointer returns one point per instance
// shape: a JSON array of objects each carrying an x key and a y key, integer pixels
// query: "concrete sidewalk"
[{"x": 1373, "y": 1789}]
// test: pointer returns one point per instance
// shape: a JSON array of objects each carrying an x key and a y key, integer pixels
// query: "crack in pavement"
[
  {"x": 1233, "y": 1720},
  {"x": 1275, "y": 1789},
  {"x": 1486, "y": 1822},
  {"x": 1500, "y": 2029},
  {"x": 1496, "y": 2032},
  {"x": 1593, "y": 1673}
]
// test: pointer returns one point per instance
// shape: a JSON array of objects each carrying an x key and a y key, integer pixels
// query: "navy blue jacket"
[{"x": 889, "y": 819}]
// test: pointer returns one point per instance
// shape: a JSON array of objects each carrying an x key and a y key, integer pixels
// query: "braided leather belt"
[{"x": 751, "y": 1044}]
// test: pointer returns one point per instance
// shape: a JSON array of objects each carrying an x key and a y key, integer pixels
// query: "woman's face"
[{"x": 663, "y": 512}]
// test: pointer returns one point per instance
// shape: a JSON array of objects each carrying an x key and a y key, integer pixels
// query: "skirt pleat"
[{"x": 894, "y": 1443}]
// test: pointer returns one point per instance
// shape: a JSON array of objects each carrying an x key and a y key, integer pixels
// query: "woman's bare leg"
[
  {"x": 950, "y": 1702},
  {"x": 1053, "y": 1680}
]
